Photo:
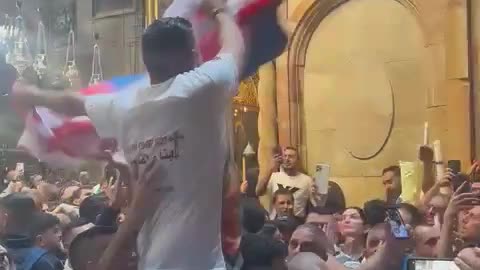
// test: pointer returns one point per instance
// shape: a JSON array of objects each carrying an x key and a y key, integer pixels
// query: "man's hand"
[
  {"x": 244, "y": 187},
  {"x": 460, "y": 201},
  {"x": 425, "y": 153},
  {"x": 277, "y": 162},
  {"x": 146, "y": 194},
  {"x": 468, "y": 259}
]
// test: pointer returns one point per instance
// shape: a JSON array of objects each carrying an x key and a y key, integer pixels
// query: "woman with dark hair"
[
  {"x": 335, "y": 198},
  {"x": 353, "y": 229}
]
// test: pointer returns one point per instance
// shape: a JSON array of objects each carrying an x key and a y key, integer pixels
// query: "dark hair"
[
  {"x": 281, "y": 191},
  {"x": 360, "y": 212},
  {"x": 260, "y": 251},
  {"x": 42, "y": 222},
  {"x": 335, "y": 198},
  {"x": 166, "y": 37},
  {"x": 76, "y": 260},
  {"x": 19, "y": 205},
  {"x": 253, "y": 216},
  {"x": 268, "y": 229},
  {"x": 322, "y": 211},
  {"x": 286, "y": 224},
  {"x": 92, "y": 206},
  {"x": 375, "y": 211},
  {"x": 417, "y": 217},
  {"x": 394, "y": 168}
]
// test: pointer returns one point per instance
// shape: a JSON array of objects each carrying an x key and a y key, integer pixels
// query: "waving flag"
[{"x": 63, "y": 141}]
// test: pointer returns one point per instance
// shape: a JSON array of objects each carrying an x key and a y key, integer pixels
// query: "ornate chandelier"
[
  {"x": 70, "y": 71},
  {"x": 97, "y": 72}
]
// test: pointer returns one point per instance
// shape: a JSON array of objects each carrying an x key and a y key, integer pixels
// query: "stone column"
[
  {"x": 267, "y": 120},
  {"x": 457, "y": 83},
  {"x": 475, "y": 28}
]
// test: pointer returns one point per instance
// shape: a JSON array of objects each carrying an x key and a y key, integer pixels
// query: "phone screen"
[
  {"x": 398, "y": 228},
  {"x": 454, "y": 165},
  {"x": 431, "y": 264},
  {"x": 322, "y": 174}
]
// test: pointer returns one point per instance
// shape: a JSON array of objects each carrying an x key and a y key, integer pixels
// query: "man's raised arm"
[
  {"x": 67, "y": 103},
  {"x": 231, "y": 38}
]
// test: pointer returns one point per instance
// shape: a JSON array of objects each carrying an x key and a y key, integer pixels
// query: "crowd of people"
[
  {"x": 75, "y": 225},
  {"x": 179, "y": 204}
]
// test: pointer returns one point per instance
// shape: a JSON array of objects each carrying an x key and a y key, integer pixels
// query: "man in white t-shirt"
[
  {"x": 284, "y": 174},
  {"x": 175, "y": 121}
]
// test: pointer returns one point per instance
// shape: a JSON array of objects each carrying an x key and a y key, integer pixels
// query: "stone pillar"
[
  {"x": 475, "y": 28},
  {"x": 457, "y": 83},
  {"x": 267, "y": 120}
]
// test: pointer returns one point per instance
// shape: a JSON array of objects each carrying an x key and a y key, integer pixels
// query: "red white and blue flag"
[{"x": 63, "y": 141}]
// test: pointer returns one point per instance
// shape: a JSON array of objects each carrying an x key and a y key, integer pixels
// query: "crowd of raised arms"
[{"x": 190, "y": 211}]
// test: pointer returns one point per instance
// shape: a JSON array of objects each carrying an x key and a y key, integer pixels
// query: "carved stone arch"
[{"x": 307, "y": 16}]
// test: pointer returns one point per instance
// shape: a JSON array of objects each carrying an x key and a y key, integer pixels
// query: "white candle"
[
  {"x": 437, "y": 153},
  {"x": 425, "y": 134},
  {"x": 244, "y": 168}
]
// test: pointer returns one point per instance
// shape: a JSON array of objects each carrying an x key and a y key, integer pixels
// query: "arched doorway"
[{"x": 358, "y": 77}]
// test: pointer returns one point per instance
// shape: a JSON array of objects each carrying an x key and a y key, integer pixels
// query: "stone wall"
[{"x": 362, "y": 76}]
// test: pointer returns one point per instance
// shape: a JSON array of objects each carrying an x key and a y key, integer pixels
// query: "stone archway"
[
  {"x": 308, "y": 15},
  {"x": 357, "y": 89}
]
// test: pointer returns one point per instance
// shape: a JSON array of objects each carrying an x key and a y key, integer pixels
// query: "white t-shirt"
[
  {"x": 182, "y": 123},
  {"x": 300, "y": 185}
]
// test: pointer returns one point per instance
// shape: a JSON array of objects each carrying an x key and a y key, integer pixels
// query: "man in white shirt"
[
  {"x": 284, "y": 174},
  {"x": 175, "y": 121}
]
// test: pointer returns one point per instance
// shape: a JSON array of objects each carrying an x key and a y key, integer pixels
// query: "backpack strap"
[{"x": 33, "y": 255}]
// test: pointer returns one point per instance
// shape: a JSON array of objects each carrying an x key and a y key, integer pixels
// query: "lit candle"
[{"x": 244, "y": 168}]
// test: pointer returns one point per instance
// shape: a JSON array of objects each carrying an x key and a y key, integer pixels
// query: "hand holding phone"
[
  {"x": 398, "y": 227},
  {"x": 431, "y": 264}
]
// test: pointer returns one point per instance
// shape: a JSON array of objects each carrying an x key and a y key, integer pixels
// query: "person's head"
[
  {"x": 253, "y": 216},
  {"x": 283, "y": 202},
  {"x": 375, "y": 211},
  {"x": 286, "y": 225},
  {"x": 391, "y": 179},
  {"x": 84, "y": 178},
  {"x": 19, "y": 208},
  {"x": 92, "y": 206},
  {"x": 306, "y": 260},
  {"x": 436, "y": 207},
  {"x": 336, "y": 198},
  {"x": 87, "y": 248},
  {"x": 320, "y": 217},
  {"x": 11, "y": 175},
  {"x": 36, "y": 180},
  {"x": 261, "y": 251},
  {"x": 410, "y": 214},
  {"x": 470, "y": 227},
  {"x": 70, "y": 194},
  {"x": 49, "y": 192},
  {"x": 375, "y": 237},
  {"x": 309, "y": 238},
  {"x": 290, "y": 158},
  {"x": 270, "y": 230},
  {"x": 426, "y": 239},
  {"x": 168, "y": 48},
  {"x": 46, "y": 231},
  {"x": 73, "y": 229},
  {"x": 82, "y": 194},
  {"x": 353, "y": 223}
]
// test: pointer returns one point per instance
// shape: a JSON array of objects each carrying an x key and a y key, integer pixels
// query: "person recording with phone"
[{"x": 284, "y": 174}]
